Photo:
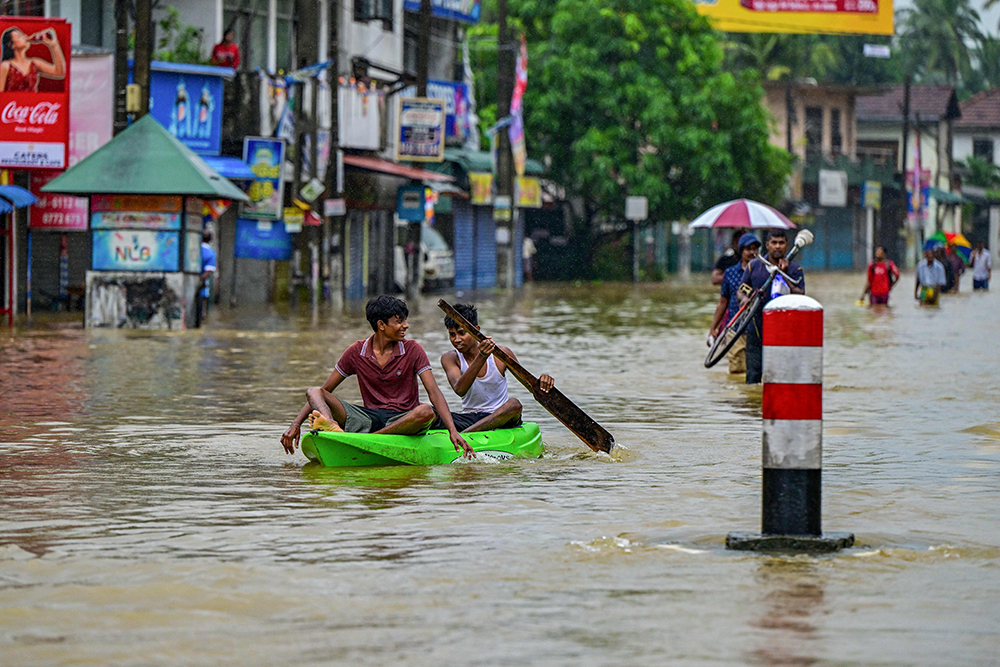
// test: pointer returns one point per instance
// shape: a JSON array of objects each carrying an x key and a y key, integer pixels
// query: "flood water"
[{"x": 148, "y": 515}]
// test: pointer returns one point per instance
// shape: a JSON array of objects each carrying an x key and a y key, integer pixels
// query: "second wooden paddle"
[{"x": 576, "y": 420}]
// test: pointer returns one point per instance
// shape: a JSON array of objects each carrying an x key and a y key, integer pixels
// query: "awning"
[
  {"x": 5, "y": 207},
  {"x": 947, "y": 197},
  {"x": 17, "y": 195},
  {"x": 230, "y": 167},
  {"x": 395, "y": 169}
]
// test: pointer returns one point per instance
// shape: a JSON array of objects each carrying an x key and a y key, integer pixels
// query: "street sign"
[
  {"x": 636, "y": 208},
  {"x": 871, "y": 194},
  {"x": 832, "y": 188}
]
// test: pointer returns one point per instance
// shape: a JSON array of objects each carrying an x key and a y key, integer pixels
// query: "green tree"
[
  {"x": 629, "y": 97},
  {"x": 982, "y": 173},
  {"x": 936, "y": 36},
  {"x": 179, "y": 43}
]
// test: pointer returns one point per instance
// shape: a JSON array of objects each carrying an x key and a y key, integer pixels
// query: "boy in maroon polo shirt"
[{"x": 387, "y": 366}]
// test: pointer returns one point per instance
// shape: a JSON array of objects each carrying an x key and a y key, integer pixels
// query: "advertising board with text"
[
  {"x": 846, "y": 17},
  {"x": 135, "y": 250},
  {"x": 34, "y": 93},
  {"x": 265, "y": 157},
  {"x": 421, "y": 130},
  {"x": 466, "y": 11}
]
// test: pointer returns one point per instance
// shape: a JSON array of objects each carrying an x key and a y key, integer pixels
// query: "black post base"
[{"x": 825, "y": 543}]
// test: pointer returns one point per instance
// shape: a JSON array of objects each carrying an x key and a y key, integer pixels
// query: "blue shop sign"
[
  {"x": 466, "y": 11},
  {"x": 187, "y": 100},
  {"x": 410, "y": 203},
  {"x": 260, "y": 239}
]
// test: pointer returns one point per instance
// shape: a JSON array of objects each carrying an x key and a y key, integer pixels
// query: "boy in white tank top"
[{"x": 479, "y": 378}]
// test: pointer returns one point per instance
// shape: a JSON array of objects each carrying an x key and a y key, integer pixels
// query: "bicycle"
[{"x": 745, "y": 315}]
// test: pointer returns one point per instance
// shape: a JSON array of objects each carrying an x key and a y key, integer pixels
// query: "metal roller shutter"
[
  {"x": 465, "y": 257},
  {"x": 486, "y": 248}
]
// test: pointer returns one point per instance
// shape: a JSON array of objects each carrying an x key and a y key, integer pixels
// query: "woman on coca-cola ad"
[{"x": 18, "y": 72}]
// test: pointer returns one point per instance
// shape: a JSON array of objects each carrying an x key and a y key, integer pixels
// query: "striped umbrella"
[{"x": 742, "y": 213}]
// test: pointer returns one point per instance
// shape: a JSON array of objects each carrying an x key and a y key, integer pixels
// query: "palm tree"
[{"x": 937, "y": 35}]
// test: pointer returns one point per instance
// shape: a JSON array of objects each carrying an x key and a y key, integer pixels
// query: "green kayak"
[{"x": 336, "y": 449}]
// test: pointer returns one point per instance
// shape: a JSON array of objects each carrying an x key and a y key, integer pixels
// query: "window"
[
  {"x": 983, "y": 149},
  {"x": 250, "y": 24},
  {"x": 836, "y": 139},
  {"x": 374, "y": 10},
  {"x": 814, "y": 131}
]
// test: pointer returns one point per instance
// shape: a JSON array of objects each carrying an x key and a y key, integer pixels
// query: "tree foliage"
[
  {"x": 629, "y": 97},
  {"x": 179, "y": 43}
]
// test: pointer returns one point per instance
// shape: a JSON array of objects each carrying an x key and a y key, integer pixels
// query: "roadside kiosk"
[{"x": 145, "y": 192}]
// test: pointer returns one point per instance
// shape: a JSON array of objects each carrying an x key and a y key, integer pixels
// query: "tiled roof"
[
  {"x": 981, "y": 110},
  {"x": 928, "y": 102}
]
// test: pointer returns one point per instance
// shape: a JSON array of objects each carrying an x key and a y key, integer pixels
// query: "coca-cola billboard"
[{"x": 34, "y": 92}]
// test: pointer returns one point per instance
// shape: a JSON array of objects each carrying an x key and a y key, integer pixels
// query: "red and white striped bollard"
[{"x": 792, "y": 432}]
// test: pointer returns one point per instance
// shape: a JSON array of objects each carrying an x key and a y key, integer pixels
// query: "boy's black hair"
[
  {"x": 777, "y": 233},
  {"x": 466, "y": 310},
  {"x": 383, "y": 308}
]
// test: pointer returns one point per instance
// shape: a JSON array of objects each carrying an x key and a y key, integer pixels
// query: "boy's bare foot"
[{"x": 317, "y": 422}]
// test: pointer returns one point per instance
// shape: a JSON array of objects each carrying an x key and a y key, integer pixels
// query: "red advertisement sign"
[
  {"x": 34, "y": 92},
  {"x": 814, "y": 6},
  {"x": 56, "y": 212}
]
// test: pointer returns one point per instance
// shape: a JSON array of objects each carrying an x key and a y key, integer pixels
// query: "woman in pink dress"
[{"x": 18, "y": 72}]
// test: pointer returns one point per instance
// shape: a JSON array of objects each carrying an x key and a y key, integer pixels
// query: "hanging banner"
[
  {"x": 467, "y": 11},
  {"x": 421, "y": 130},
  {"x": 265, "y": 157},
  {"x": 826, "y": 17},
  {"x": 481, "y": 185},
  {"x": 34, "y": 93},
  {"x": 527, "y": 192},
  {"x": 258, "y": 239},
  {"x": 135, "y": 250},
  {"x": 516, "y": 129}
]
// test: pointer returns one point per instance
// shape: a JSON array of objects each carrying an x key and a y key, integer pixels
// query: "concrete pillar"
[{"x": 792, "y": 433}]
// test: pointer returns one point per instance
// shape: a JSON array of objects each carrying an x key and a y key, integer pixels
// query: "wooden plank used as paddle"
[{"x": 563, "y": 409}]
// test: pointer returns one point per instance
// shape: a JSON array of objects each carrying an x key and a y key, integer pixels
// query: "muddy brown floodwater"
[{"x": 148, "y": 515}]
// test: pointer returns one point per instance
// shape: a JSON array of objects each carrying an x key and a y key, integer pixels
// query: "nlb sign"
[{"x": 34, "y": 93}]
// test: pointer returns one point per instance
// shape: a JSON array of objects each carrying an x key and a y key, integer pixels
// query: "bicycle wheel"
[{"x": 732, "y": 331}]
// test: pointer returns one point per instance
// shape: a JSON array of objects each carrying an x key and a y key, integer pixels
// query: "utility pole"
[
  {"x": 121, "y": 64},
  {"x": 505, "y": 166},
  {"x": 143, "y": 52},
  {"x": 333, "y": 161},
  {"x": 906, "y": 124},
  {"x": 423, "y": 73}
]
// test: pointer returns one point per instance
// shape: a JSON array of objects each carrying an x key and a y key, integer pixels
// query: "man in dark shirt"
[
  {"x": 729, "y": 258},
  {"x": 754, "y": 277},
  {"x": 387, "y": 366}
]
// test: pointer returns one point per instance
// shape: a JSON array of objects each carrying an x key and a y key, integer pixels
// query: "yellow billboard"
[{"x": 827, "y": 17}]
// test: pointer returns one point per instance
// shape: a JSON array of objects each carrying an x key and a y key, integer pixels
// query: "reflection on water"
[{"x": 146, "y": 507}]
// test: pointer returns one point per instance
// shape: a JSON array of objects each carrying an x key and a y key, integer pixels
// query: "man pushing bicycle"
[{"x": 788, "y": 279}]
